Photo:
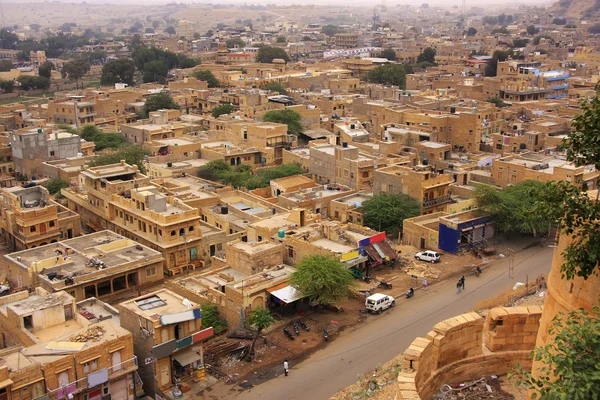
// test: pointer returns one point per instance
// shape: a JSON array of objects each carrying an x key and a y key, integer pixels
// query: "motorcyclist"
[{"x": 478, "y": 270}]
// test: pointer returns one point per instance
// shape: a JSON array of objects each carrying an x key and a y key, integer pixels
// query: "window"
[
  {"x": 260, "y": 238},
  {"x": 90, "y": 366},
  {"x": 32, "y": 229},
  {"x": 173, "y": 233},
  {"x": 191, "y": 229},
  {"x": 116, "y": 360},
  {"x": 52, "y": 154},
  {"x": 499, "y": 146},
  {"x": 51, "y": 224},
  {"x": 150, "y": 272}
]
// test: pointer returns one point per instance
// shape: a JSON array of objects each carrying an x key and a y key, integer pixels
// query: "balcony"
[{"x": 437, "y": 201}]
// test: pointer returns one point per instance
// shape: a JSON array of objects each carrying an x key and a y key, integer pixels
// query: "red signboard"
[
  {"x": 202, "y": 335},
  {"x": 380, "y": 237}
]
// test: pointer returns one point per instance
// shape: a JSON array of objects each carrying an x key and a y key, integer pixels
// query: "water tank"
[
  {"x": 224, "y": 210},
  {"x": 452, "y": 110},
  {"x": 169, "y": 164},
  {"x": 39, "y": 130},
  {"x": 281, "y": 234},
  {"x": 344, "y": 144},
  {"x": 425, "y": 161}
]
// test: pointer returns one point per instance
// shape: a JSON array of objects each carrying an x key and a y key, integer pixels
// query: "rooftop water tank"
[{"x": 281, "y": 234}]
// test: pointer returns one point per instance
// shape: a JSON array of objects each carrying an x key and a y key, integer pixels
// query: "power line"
[{"x": 420, "y": 319}]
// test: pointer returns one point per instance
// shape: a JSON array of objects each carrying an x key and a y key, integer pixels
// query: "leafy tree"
[
  {"x": 471, "y": 31},
  {"x": 538, "y": 38},
  {"x": 159, "y": 101},
  {"x": 260, "y": 319},
  {"x": 8, "y": 40},
  {"x": 155, "y": 71},
  {"x": 102, "y": 140},
  {"x": 266, "y": 54},
  {"x": 520, "y": 42},
  {"x": 497, "y": 102},
  {"x": 186, "y": 62},
  {"x": 155, "y": 24},
  {"x": 322, "y": 278},
  {"x": 306, "y": 39},
  {"x": 6, "y": 65},
  {"x": 210, "y": 317},
  {"x": 280, "y": 171},
  {"x": 390, "y": 54},
  {"x": 35, "y": 27},
  {"x": 121, "y": 70},
  {"x": 285, "y": 116},
  {"x": 170, "y": 30},
  {"x": 149, "y": 30},
  {"x": 75, "y": 70},
  {"x": 222, "y": 109},
  {"x": 135, "y": 42},
  {"x": 197, "y": 35},
  {"x": 207, "y": 76},
  {"x": 133, "y": 155},
  {"x": 559, "y": 21},
  {"x": 532, "y": 30},
  {"x": 45, "y": 69},
  {"x": 280, "y": 39},
  {"x": 55, "y": 185},
  {"x": 491, "y": 69},
  {"x": 7, "y": 86},
  {"x": 241, "y": 175},
  {"x": 427, "y": 55},
  {"x": 330, "y": 30},
  {"x": 388, "y": 74},
  {"x": 490, "y": 20},
  {"x": 275, "y": 87},
  {"x": 387, "y": 211},
  {"x": 501, "y": 30},
  {"x": 572, "y": 359},
  {"x": 33, "y": 82}
]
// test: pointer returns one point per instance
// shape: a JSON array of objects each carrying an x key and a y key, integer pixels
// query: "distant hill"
[{"x": 580, "y": 9}]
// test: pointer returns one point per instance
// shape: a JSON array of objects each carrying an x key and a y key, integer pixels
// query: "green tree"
[
  {"x": 501, "y": 30},
  {"x": 186, "y": 62},
  {"x": 491, "y": 69},
  {"x": 133, "y": 155},
  {"x": 155, "y": 71},
  {"x": 102, "y": 140},
  {"x": 260, "y": 319},
  {"x": 559, "y": 21},
  {"x": 211, "y": 317},
  {"x": 155, "y": 24},
  {"x": 280, "y": 39},
  {"x": 330, "y": 30},
  {"x": 207, "y": 76},
  {"x": 7, "y": 86},
  {"x": 33, "y": 82},
  {"x": 572, "y": 360},
  {"x": 6, "y": 65},
  {"x": 75, "y": 70},
  {"x": 538, "y": 38},
  {"x": 387, "y": 212},
  {"x": 281, "y": 171},
  {"x": 520, "y": 42},
  {"x": 266, "y": 54},
  {"x": 532, "y": 30},
  {"x": 275, "y": 87},
  {"x": 322, "y": 278},
  {"x": 115, "y": 71},
  {"x": 55, "y": 185},
  {"x": 45, "y": 69},
  {"x": 428, "y": 55},
  {"x": 235, "y": 42},
  {"x": 285, "y": 116},
  {"x": 149, "y": 30},
  {"x": 388, "y": 74},
  {"x": 8, "y": 40},
  {"x": 471, "y": 31},
  {"x": 159, "y": 101},
  {"x": 170, "y": 30},
  {"x": 390, "y": 54},
  {"x": 222, "y": 109},
  {"x": 497, "y": 102}
]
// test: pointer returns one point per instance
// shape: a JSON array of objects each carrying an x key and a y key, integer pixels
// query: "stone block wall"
[{"x": 467, "y": 347}]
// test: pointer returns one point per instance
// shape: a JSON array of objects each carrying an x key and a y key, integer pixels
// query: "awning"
[
  {"x": 385, "y": 249},
  {"x": 287, "y": 294},
  {"x": 186, "y": 357},
  {"x": 373, "y": 254}
]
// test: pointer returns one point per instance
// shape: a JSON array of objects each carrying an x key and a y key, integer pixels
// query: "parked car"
[
  {"x": 379, "y": 302},
  {"x": 429, "y": 256}
]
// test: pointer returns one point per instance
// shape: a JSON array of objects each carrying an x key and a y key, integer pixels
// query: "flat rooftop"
[
  {"x": 332, "y": 246},
  {"x": 152, "y": 305},
  {"x": 355, "y": 199}
]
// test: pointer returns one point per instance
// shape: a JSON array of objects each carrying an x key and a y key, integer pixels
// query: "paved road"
[{"x": 383, "y": 337}]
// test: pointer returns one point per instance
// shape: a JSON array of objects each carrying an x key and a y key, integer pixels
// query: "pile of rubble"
[
  {"x": 486, "y": 388},
  {"x": 420, "y": 270},
  {"x": 93, "y": 333}
]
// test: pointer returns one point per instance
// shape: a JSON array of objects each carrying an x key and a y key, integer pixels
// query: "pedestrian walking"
[
  {"x": 462, "y": 281},
  {"x": 286, "y": 367},
  {"x": 458, "y": 286},
  {"x": 424, "y": 283}
]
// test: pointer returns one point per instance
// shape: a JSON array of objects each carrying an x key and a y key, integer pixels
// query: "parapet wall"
[{"x": 467, "y": 347}]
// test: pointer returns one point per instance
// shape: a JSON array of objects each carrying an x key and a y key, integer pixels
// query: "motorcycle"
[
  {"x": 304, "y": 326},
  {"x": 384, "y": 285},
  {"x": 325, "y": 334},
  {"x": 288, "y": 334},
  {"x": 409, "y": 293},
  {"x": 367, "y": 279},
  {"x": 296, "y": 329},
  {"x": 477, "y": 271}
]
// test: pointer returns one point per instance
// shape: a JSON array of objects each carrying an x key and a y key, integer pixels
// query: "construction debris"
[
  {"x": 486, "y": 388},
  {"x": 421, "y": 270},
  {"x": 218, "y": 348},
  {"x": 93, "y": 333}
]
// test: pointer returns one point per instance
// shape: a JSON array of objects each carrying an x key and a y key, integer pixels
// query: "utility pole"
[{"x": 511, "y": 266}]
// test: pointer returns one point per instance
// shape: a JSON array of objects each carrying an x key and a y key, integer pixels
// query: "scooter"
[
  {"x": 409, "y": 293},
  {"x": 304, "y": 326},
  {"x": 384, "y": 285},
  {"x": 366, "y": 278},
  {"x": 296, "y": 329},
  {"x": 325, "y": 334},
  {"x": 288, "y": 334},
  {"x": 477, "y": 271}
]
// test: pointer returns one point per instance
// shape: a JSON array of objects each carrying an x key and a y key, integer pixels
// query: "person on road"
[
  {"x": 424, "y": 283},
  {"x": 286, "y": 367},
  {"x": 458, "y": 286},
  {"x": 462, "y": 282}
]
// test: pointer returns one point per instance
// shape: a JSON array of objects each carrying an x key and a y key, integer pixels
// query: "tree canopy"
[
  {"x": 388, "y": 74},
  {"x": 572, "y": 359},
  {"x": 260, "y": 319},
  {"x": 153, "y": 62},
  {"x": 390, "y": 54},
  {"x": 184, "y": 61},
  {"x": 428, "y": 54},
  {"x": 102, "y": 140},
  {"x": 118, "y": 71},
  {"x": 330, "y": 30},
  {"x": 6, "y": 65},
  {"x": 285, "y": 116},
  {"x": 33, "y": 82},
  {"x": 532, "y": 30},
  {"x": 387, "y": 212},
  {"x": 491, "y": 69},
  {"x": 222, "y": 109},
  {"x": 275, "y": 87},
  {"x": 241, "y": 175},
  {"x": 211, "y": 317},
  {"x": 170, "y": 30},
  {"x": 159, "y": 101},
  {"x": 207, "y": 76},
  {"x": 45, "y": 69},
  {"x": 322, "y": 278},
  {"x": 133, "y": 155},
  {"x": 266, "y": 54},
  {"x": 55, "y": 185},
  {"x": 471, "y": 31},
  {"x": 75, "y": 69},
  {"x": 235, "y": 42}
]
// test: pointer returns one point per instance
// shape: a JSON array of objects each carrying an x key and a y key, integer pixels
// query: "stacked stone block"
[{"x": 512, "y": 328}]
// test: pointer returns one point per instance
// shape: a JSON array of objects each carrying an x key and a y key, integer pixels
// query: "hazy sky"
[{"x": 445, "y": 3}]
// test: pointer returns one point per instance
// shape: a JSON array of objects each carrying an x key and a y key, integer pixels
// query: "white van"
[{"x": 379, "y": 302}]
